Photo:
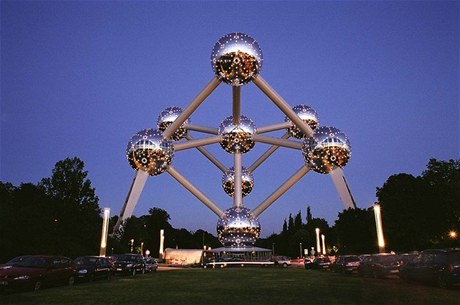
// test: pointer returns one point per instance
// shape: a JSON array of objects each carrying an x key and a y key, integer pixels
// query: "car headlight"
[
  {"x": 22, "y": 277},
  {"x": 83, "y": 271},
  {"x": 129, "y": 265}
]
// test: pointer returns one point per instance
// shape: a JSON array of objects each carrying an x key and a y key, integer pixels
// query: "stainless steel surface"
[
  {"x": 149, "y": 151},
  {"x": 167, "y": 117},
  {"x": 238, "y": 228},
  {"x": 236, "y": 58},
  {"x": 327, "y": 150},
  {"x": 237, "y": 138},
  {"x": 228, "y": 181},
  {"x": 306, "y": 114}
]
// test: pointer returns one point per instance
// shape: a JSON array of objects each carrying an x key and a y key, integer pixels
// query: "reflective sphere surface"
[
  {"x": 306, "y": 114},
  {"x": 167, "y": 117},
  {"x": 328, "y": 149},
  {"x": 238, "y": 228},
  {"x": 237, "y": 138},
  {"x": 228, "y": 182},
  {"x": 148, "y": 151},
  {"x": 236, "y": 58}
]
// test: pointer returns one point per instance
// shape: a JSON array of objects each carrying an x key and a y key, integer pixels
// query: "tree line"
[{"x": 61, "y": 215}]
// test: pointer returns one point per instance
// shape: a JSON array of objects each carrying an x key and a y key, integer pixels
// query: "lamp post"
[
  {"x": 323, "y": 239},
  {"x": 300, "y": 249},
  {"x": 273, "y": 251},
  {"x": 132, "y": 244},
  {"x": 104, "y": 233},
  {"x": 318, "y": 247},
  {"x": 378, "y": 225}
]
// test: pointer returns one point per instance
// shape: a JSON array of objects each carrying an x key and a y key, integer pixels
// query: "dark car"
[
  {"x": 321, "y": 262},
  {"x": 36, "y": 271},
  {"x": 151, "y": 264},
  {"x": 436, "y": 266},
  {"x": 129, "y": 264},
  {"x": 346, "y": 264},
  {"x": 379, "y": 265},
  {"x": 90, "y": 268}
]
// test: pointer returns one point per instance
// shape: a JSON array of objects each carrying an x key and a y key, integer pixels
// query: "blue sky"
[{"x": 80, "y": 78}]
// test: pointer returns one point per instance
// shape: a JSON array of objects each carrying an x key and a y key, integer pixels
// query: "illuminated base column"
[{"x": 104, "y": 232}]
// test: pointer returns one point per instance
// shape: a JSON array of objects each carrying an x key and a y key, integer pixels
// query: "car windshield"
[
  {"x": 31, "y": 262},
  {"x": 85, "y": 260},
  {"x": 124, "y": 257},
  {"x": 387, "y": 259}
]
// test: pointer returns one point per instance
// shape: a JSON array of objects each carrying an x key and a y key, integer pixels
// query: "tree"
[
  {"x": 355, "y": 229},
  {"x": 76, "y": 210}
]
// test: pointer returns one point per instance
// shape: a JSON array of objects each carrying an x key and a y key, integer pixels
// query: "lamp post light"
[
  {"x": 323, "y": 239},
  {"x": 131, "y": 242},
  {"x": 142, "y": 248},
  {"x": 318, "y": 247},
  {"x": 104, "y": 233},
  {"x": 378, "y": 225},
  {"x": 273, "y": 250}
]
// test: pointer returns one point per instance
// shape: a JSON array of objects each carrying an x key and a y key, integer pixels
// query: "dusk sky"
[{"x": 78, "y": 79}]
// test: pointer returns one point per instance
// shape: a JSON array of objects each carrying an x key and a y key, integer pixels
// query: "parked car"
[
  {"x": 283, "y": 261},
  {"x": 436, "y": 266},
  {"x": 405, "y": 258},
  {"x": 151, "y": 264},
  {"x": 129, "y": 264},
  {"x": 321, "y": 262},
  {"x": 36, "y": 271},
  {"x": 346, "y": 264},
  {"x": 379, "y": 265},
  {"x": 90, "y": 268}
]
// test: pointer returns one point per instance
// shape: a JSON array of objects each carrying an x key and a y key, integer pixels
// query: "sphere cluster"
[
  {"x": 167, "y": 117},
  {"x": 306, "y": 114},
  {"x": 228, "y": 181},
  {"x": 236, "y": 58},
  {"x": 237, "y": 138},
  {"x": 149, "y": 151},
  {"x": 328, "y": 149},
  {"x": 238, "y": 228}
]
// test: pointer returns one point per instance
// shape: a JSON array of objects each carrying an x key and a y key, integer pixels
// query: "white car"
[{"x": 283, "y": 261}]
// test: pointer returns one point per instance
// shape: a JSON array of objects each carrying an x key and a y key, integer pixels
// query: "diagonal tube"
[
  {"x": 208, "y": 155},
  {"x": 273, "y": 127},
  {"x": 197, "y": 142},
  {"x": 195, "y": 191},
  {"x": 192, "y": 107},
  {"x": 277, "y": 141},
  {"x": 265, "y": 155},
  {"x": 280, "y": 191},
  {"x": 342, "y": 188},
  {"x": 282, "y": 105},
  {"x": 204, "y": 129}
]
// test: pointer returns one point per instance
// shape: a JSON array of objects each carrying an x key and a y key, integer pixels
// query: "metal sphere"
[
  {"x": 237, "y": 138},
  {"x": 228, "y": 181},
  {"x": 238, "y": 228},
  {"x": 149, "y": 151},
  {"x": 306, "y": 114},
  {"x": 236, "y": 57},
  {"x": 167, "y": 117},
  {"x": 328, "y": 149}
]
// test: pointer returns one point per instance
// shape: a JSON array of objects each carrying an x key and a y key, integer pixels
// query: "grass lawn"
[{"x": 240, "y": 286}]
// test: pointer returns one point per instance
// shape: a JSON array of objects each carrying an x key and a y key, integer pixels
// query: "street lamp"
[
  {"x": 318, "y": 247},
  {"x": 323, "y": 238},
  {"x": 273, "y": 250},
  {"x": 378, "y": 224},
  {"x": 300, "y": 249},
  {"x": 104, "y": 233},
  {"x": 132, "y": 245}
]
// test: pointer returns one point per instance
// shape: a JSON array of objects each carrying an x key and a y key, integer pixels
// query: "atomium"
[
  {"x": 167, "y": 117},
  {"x": 327, "y": 150},
  {"x": 236, "y": 58},
  {"x": 237, "y": 138},
  {"x": 238, "y": 228},
  {"x": 149, "y": 151},
  {"x": 228, "y": 181},
  {"x": 308, "y": 115}
]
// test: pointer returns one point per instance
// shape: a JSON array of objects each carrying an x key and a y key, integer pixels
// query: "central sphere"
[
  {"x": 237, "y": 138},
  {"x": 306, "y": 114},
  {"x": 238, "y": 228},
  {"x": 167, "y": 117},
  {"x": 328, "y": 149},
  {"x": 236, "y": 58},
  {"x": 149, "y": 151},
  {"x": 228, "y": 181}
]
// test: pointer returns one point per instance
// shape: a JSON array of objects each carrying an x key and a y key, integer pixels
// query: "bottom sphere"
[{"x": 238, "y": 228}]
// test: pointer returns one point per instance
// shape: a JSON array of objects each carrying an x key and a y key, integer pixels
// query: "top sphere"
[
  {"x": 236, "y": 58},
  {"x": 328, "y": 149},
  {"x": 167, "y": 117},
  {"x": 306, "y": 114}
]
